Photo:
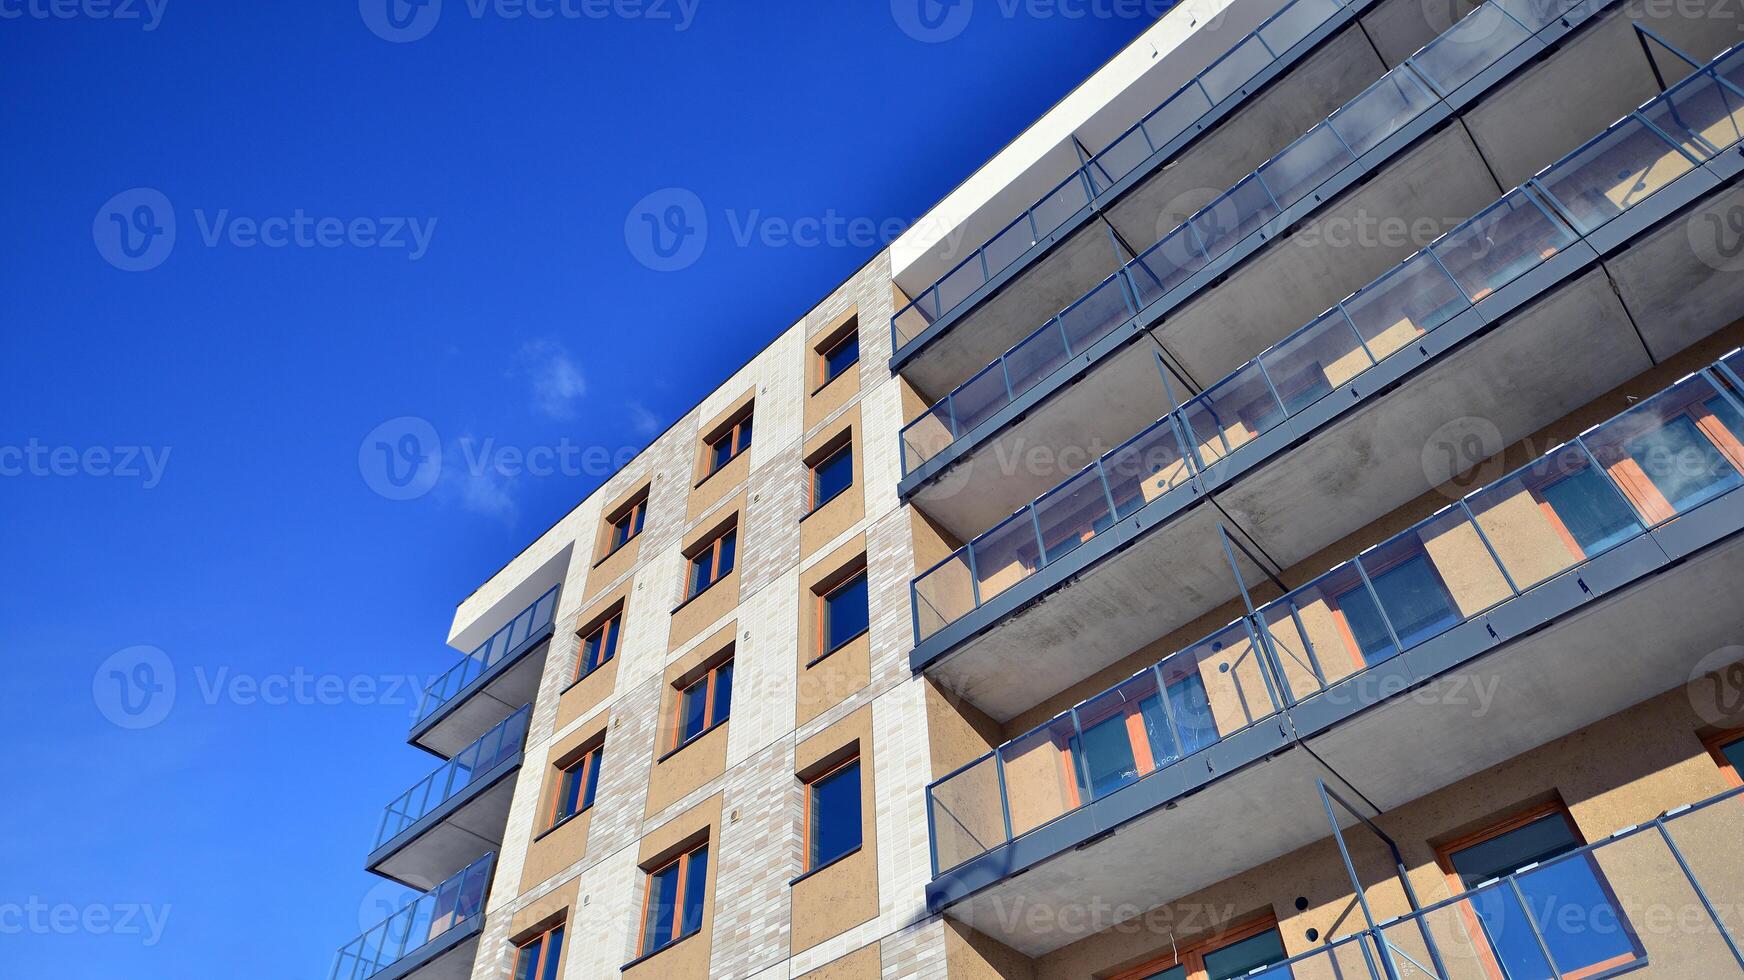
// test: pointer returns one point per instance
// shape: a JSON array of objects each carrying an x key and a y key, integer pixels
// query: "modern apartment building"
[{"x": 1281, "y": 516}]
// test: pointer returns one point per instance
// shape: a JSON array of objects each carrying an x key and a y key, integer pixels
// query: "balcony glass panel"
[
  {"x": 1061, "y": 203},
  {"x": 1072, "y": 513},
  {"x": 927, "y": 436},
  {"x": 1096, "y": 315},
  {"x": 1004, "y": 248},
  {"x": 1613, "y": 173},
  {"x": 490, "y": 653},
  {"x": 1703, "y": 115},
  {"x": 1145, "y": 467},
  {"x": 495, "y": 746},
  {"x": 1468, "y": 47},
  {"x": 960, "y": 283},
  {"x": 1536, "y": 15},
  {"x": 1216, "y": 687},
  {"x": 1037, "y": 356},
  {"x": 1304, "y": 165},
  {"x": 914, "y": 318},
  {"x": 1434, "y": 577},
  {"x": 968, "y": 813},
  {"x": 1006, "y": 555},
  {"x": 1406, "y": 303},
  {"x": 1041, "y": 782},
  {"x": 1167, "y": 264},
  {"x": 1327, "y": 630},
  {"x": 1124, "y": 155},
  {"x": 943, "y": 594},
  {"x": 417, "y": 925},
  {"x": 1307, "y": 365},
  {"x": 1675, "y": 451},
  {"x": 1507, "y": 240},
  {"x": 1232, "y": 413},
  {"x": 1552, "y": 514},
  {"x": 1296, "y": 22},
  {"x": 1233, "y": 70},
  {"x": 1124, "y": 734},
  {"x": 1239, "y": 212},
  {"x": 978, "y": 398},
  {"x": 1381, "y": 110}
]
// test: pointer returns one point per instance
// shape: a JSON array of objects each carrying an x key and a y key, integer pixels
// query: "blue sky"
[{"x": 428, "y": 224}]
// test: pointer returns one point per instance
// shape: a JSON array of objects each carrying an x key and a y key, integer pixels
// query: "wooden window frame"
[
  {"x": 1716, "y": 744},
  {"x": 849, "y": 576},
  {"x": 739, "y": 433},
  {"x": 1444, "y": 853},
  {"x": 711, "y": 678},
  {"x": 1651, "y": 506},
  {"x": 577, "y": 767},
  {"x": 712, "y": 547},
  {"x": 682, "y": 862},
  {"x": 1365, "y": 580},
  {"x": 810, "y": 835},
  {"x": 633, "y": 515},
  {"x": 832, "y": 342},
  {"x": 614, "y": 622},
  {"x": 544, "y": 941},
  {"x": 835, "y": 448},
  {"x": 1192, "y": 956}
]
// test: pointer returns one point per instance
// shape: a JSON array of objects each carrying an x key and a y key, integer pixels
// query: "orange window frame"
[
  {"x": 1193, "y": 955},
  {"x": 1634, "y": 482},
  {"x": 849, "y": 332},
  {"x": 710, "y": 679},
  {"x": 682, "y": 862},
  {"x": 713, "y": 550},
  {"x": 810, "y": 791},
  {"x": 1444, "y": 858},
  {"x": 542, "y": 962},
  {"x": 823, "y": 458},
  {"x": 739, "y": 429},
  {"x": 823, "y": 610},
  {"x": 615, "y": 622},
  {"x": 1716, "y": 745},
  {"x": 627, "y": 521},
  {"x": 579, "y": 769}
]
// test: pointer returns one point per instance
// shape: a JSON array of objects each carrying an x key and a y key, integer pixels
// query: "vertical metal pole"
[
  {"x": 1268, "y": 657},
  {"x": 1386, "y": 620},
  {"x": 1187, "y": 443},
  {"x": 1350, "y": 869},
  {"x": 1701, "y": 893},
  {"x": 1543, "y": 947}
]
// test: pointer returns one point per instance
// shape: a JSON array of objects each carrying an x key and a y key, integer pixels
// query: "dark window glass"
[
  {"x": 538, "y": 959},
  {"x": 629, "y": 525},
  {"x": 1367, "y": 627},
  {"x": 723, "y": 692},
  {"x": 576, "y": 789},
  {"x": 714, "y": 562},
  {"x": 1414, "y": 599},
  {"x": 729, "y": 546},
  {"x": 841, "y": 357},
  {"x": 835, "y": 814},
  {"x": 1588, "y": 505},
  {"x": 1241, "y": 958},
  {"x": 593, "y": 771},
  {"x": 1734, "y": 755},
  {"x": 527, "y": 961},
  {"x": 693, "y": 711},
  {"x": 553, "y": 954},
  {"x": 1172, "y": 973},
  {"x": 1106, "y": 756},
  {"x": 832, "y": 476},
  {"x": 846, "y": 613},
  {"x": 723, "y": 453},
  {"x": 743, "y": 439},
  {"x": 599, "y": 647},
  {"x": 730, "y": 444},
  {"x": 1191, "y": 707},
  {"x": 662, "y": 899},
  {"x": 695, "y": 888},
  {"x": 1682, "y": 463}
]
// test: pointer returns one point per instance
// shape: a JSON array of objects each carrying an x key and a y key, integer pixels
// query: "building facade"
[{"x": 1281, "y": 516}]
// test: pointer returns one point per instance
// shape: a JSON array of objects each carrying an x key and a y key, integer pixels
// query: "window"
[
  {"x": 1728, "y": 750},
  {"x": 1237, "y": 953},
  {"x": 673, "y": 906},
  {"x": 726, "y": 447},
  {"x": 713, "y": 563},
  {"x": 832, "y": 822},
  {"x": 839, "y": 355},
  {"x": 627, "y": 525},
  {"x": 842, "y": 614},
  {"x": 704, "y": 703},
  {"x": 576, "y": 784},
  {"x": 598, "y": 647},
  {"x": 831, "y": 475},
  {"x": 538, "y": 958},
  {"x": 1675, "y": 452},
  {"x": 1563, "y": 899}
]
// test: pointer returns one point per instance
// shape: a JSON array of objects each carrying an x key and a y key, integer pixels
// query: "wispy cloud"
[
  {"x": 554, "y": 378},
  {"x": 471, "y": 483},
  {"x": 644, "y": 422}
]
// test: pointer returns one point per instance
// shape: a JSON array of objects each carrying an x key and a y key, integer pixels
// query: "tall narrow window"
[
  {"x": 726, "y": 447},
  {"x": 704, "y": 703},
  {"x": 832, "y": 826},
  {"x": 576, "y": 784},
  {"x": 713, "y": 563},
  {"x": 539, "y": 957},
  {"x": 840, "y": 355},
  {"x": 598, "y": 647},
  {"x": 1557, "y": 900},
  {"x": 832, "y": 475},
  {"x": 627, "y": 524},
  {"x": 843, "y": 614},
  {"x": 673, "y": 905}
]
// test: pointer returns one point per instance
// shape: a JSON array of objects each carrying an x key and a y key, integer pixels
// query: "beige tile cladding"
[{"x": 759, "y": 850}]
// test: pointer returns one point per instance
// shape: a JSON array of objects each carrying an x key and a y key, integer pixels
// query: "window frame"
[
  {"x": 541, "y": 964},
  {"x": 1716, "y": 745},
  {"x": 584, "y": 767},
  {"x": 713, "y": 548},
  {"x": 824, "y": 649},
  {"x": 615, "y": 623},
  {"x": 737, "y": 433},
  {"x": 682, "y": 862},
  {"x": 1192, "y": 956},
  {"x": 812, "y": 864},
  {"x": 848, "y": 333},
  {"x": 633, "y": 516},
  {"x": 712, "y": 678},
  {"x": 828, "y": 455}
]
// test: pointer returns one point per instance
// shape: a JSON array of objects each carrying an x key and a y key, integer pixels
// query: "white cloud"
[
  {"x": 644, "y": 422},
  {"x": 472, "y": 483},
  {"x": 553, "y": 376}
]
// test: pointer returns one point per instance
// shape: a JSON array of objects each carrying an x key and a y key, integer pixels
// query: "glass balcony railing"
[
  {"x": 1703, "y": 115},
  {"x": 417, "y": 925},
  {"x": 1660, "y": 459},
  {"x": 507, "y": 640},
  {"x": 1180, "y": 113},
  {"x": 496, "y": 745},
  {"x": 1401, "y": 96}
]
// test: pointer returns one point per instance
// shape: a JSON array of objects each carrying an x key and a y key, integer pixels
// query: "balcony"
[
  {"x": 1329, "y": 427},
  {"x": 1227, "y": 281},
  {"x": 434, "y": 938},
  {"x": 456, "y": 814},
  {"x": 488, "y": 685},
  {"x": 1620, "y": 548}
]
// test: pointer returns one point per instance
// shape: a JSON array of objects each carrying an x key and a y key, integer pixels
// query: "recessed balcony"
[
  {"x": 489, "y": 684},
  {"x": 1329, "y": 427},
  {"x": 1620, "y": 548},
  {"x": 456, "y": 814},
  {"x": 433, "y": 938}
]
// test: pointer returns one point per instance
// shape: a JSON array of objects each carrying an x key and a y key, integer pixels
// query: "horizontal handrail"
[
  {"x": 418, "y": 925},
  {"x": 504, "y": 642},
  {"x": 471, "y": 763}
]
